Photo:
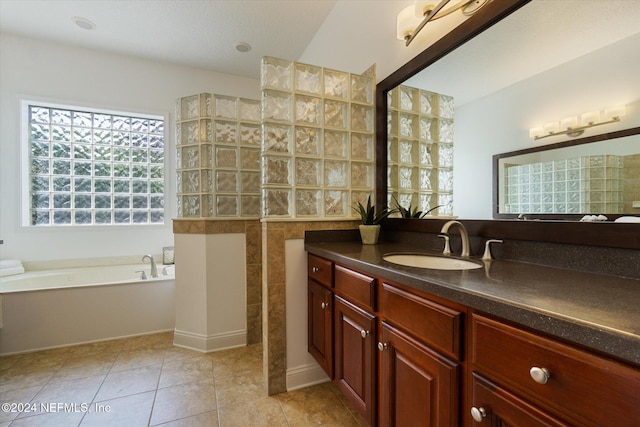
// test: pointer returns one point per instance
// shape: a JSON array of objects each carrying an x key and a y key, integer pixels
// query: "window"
[{"x": 93, "y": 168}]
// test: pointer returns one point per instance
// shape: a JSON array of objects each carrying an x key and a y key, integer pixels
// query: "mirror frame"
[
  {"x": 486, "y": 17},
  {"x": 562, "y": 144}
]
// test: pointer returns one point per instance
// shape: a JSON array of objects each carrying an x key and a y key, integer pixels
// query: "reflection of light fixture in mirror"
[
  {"x": 412, "y": 19},
  {"x": 575, "y": 126}
]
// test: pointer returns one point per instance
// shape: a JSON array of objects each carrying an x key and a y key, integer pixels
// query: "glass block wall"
[
  {"x": 588, "y": 184},
  {"x": 218, "y": 156},
  {"x": 317, "y": 140},
  {"x": 420, "y": 149}
]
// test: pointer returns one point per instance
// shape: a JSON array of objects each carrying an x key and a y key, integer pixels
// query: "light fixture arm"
[
  {"x": 578, "y": 130},
  {"x": 426, "y": 20}
]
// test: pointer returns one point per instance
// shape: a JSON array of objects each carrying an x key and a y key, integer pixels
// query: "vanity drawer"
[
  {"x": 581, "y": 386},
  {"x": 320, "y": 270},
  {"x": 436, "y": 325},
  {"x": 355, "y": 287}
]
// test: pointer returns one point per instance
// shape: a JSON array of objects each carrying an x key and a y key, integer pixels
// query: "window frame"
[{"x": 25, "y": 102}]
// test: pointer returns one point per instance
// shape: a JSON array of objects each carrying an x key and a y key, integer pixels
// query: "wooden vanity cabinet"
[{"x": 320, "y": 313}]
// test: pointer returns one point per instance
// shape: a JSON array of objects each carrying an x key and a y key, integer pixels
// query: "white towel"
[
  {"x": 628, "y": 219},
  {"x": 11, "y": 271},
  {"x": 9, "y": 263}
]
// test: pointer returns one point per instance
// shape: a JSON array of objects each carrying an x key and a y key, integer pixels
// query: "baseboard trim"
[
  {"x": 209, "y": 343},
  {"x": 305, "y": 376}
]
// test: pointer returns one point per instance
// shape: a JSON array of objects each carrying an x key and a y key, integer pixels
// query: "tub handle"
[{"x": 143, "y": 275}]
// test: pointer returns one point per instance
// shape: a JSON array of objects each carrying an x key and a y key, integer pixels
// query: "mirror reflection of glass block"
[
  {"x": 425, "y": 154},
  {"x": 189, "y": 132},
  {"x": 250, "y": 134},
  {"x": 227, "y": 205},
  {"x": 335, "y": 144},
  {"x": 392, "y": 149},
  {"x": 425, "y": 179},
  {"x": 409, "y": 125},
  {"x": 407, "y": 199},
  {"x": 190, "y": 158},
  {"x": 408, "y": 98},
  {"x": 308, "y": 172},
  {"x": 191, "y": 181},
  {"x": 276, "y": 106},
  {"x": 308, "y": 203},
  {"x": 335, "y": 114},
  {"x": 250, "y": 182},
  {"x": 226, "y": 132},
  {"x": 276, "y": 73},
  {"x": 424, "y": 202},
  {"x": 276, "y": 170},
  {"x": 249, "y": 158},
  {"x": 277, "y": 138},
  {"x": 445, "y": 155},
  {"x": 226, "y": 181},
  {"x": 408, "y": 151},
  {"x": 250, "y": 205},
  {"x": 277, "y": 202},
  {"x": 335, "y": 173},
  {"x": 392, "y": 176},
  {"x": 361, "y": 89},
  {"x": 249, "y": 110},
  {"x": 392, "y": 98},
  {"x": 207, "y": 181},
  {"x": 336, "y": 203},
  {"x": 307, "y": 78},
  {"x": 190, "y": 107},
  {"x": 428, "y": 129},
  {"x": 446, "y": 131},
  {"x": 447, "y": 107},
  {"x": 428, "y": 103},
  {"x": 307, "y": 140},
  {"x": 225, "y": 107},
  {"x": 307, "y": 109},
  {"x": 361, "y": 118},
  {"x": 408, "y": 178},
  {"x": 336, "y": 84},
  {"x": 362, "y": 175},
  {"x": 445, "y": 180},
  {"x": 392, "y": 123},
  {"x": 191, "y": 206},
  {"x": 226, "y": 157},
  {"x": 208, "y": 206},
  {"x": 446, "y": 204},
  {"x": 361, "y": 146}
]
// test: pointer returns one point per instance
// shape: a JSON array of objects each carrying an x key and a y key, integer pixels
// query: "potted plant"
[
  {"x": 411, "y": 212},
  {"x": 370, "y": 227}
]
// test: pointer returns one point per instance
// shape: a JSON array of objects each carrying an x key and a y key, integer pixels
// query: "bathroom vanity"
[{"x": 510, "y": 343}]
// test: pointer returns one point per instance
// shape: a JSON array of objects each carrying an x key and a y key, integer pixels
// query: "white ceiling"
[{"x": 197, "y": 33}]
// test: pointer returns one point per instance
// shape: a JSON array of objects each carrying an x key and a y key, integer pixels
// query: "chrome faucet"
[
  {"x": 154, "y": 269},
  {"x": 463, "y": 235}
]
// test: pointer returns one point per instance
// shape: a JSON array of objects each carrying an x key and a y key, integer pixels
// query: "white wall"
[
  {"x": 500, "y": 122},
  {"x": 85, "y": 77}
]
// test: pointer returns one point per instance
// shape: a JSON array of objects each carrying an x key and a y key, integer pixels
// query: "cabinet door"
[
  {"x": 354, "y": 356},
  {"x": 418, "y": 386},
  {"x": 494, "y": 406},
  {"x": 320, "y": 339}
]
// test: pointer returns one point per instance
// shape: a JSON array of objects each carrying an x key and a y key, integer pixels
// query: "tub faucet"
[
  {"x": 154, "y": 269},
  {"x": 463, "y": 235}
]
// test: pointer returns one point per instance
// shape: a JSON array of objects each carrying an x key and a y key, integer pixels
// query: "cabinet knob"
[
  {"x": 324, "y": 305},
  {"x": 382, "y": 346},
  {"x": 478, "y": 414},
  {"x": 314, "y": 269},
  {"x": 540, "y": 375},
  {"x": 364, "y": 333}
]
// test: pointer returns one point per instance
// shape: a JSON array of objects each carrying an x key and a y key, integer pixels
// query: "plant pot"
[{"x": 369, "y": 234}]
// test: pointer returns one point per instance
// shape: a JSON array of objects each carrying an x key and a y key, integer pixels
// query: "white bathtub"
[
  {"x": 82, "y": 276},
  {"x": 58, "y": 307}
]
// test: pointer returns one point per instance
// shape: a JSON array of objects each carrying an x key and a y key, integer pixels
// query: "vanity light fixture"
[
  {"x": 576, "y": 125},
  {"x": 413, "y": 18}
]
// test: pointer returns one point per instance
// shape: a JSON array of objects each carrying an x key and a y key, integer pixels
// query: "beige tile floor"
[{"x": 146, "y": 381}]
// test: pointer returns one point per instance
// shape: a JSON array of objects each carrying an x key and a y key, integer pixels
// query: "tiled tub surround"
[{"x": 593, "y": 310}]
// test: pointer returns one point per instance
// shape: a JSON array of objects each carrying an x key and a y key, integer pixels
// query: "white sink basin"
[{"x": 430, "y": 261}]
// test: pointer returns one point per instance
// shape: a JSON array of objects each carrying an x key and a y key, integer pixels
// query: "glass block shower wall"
[
  {"x": 317, "y": 140},
  {"x": 588, "y": 184},
  {"x": 420, "y": 149},
  {"x": 218, "y": 156}
]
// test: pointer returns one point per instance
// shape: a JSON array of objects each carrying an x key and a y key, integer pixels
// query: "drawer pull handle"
[
  {"x": 324, "y": 305},
  {"x": 478, "y": 414},
  {"x": 364, "y": 333},
  {"x": 315, "y": 269},
  {"x": 540, "y": 375}
]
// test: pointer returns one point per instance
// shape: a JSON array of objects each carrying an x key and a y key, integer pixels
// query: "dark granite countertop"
[{"x": 596, "y": 311}]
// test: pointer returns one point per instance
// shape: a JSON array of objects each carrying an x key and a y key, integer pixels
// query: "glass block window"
[{"x": 94, "y": 168}]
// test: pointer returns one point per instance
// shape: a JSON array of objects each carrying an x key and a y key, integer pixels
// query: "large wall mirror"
[{"x": 514, "y": 65}]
